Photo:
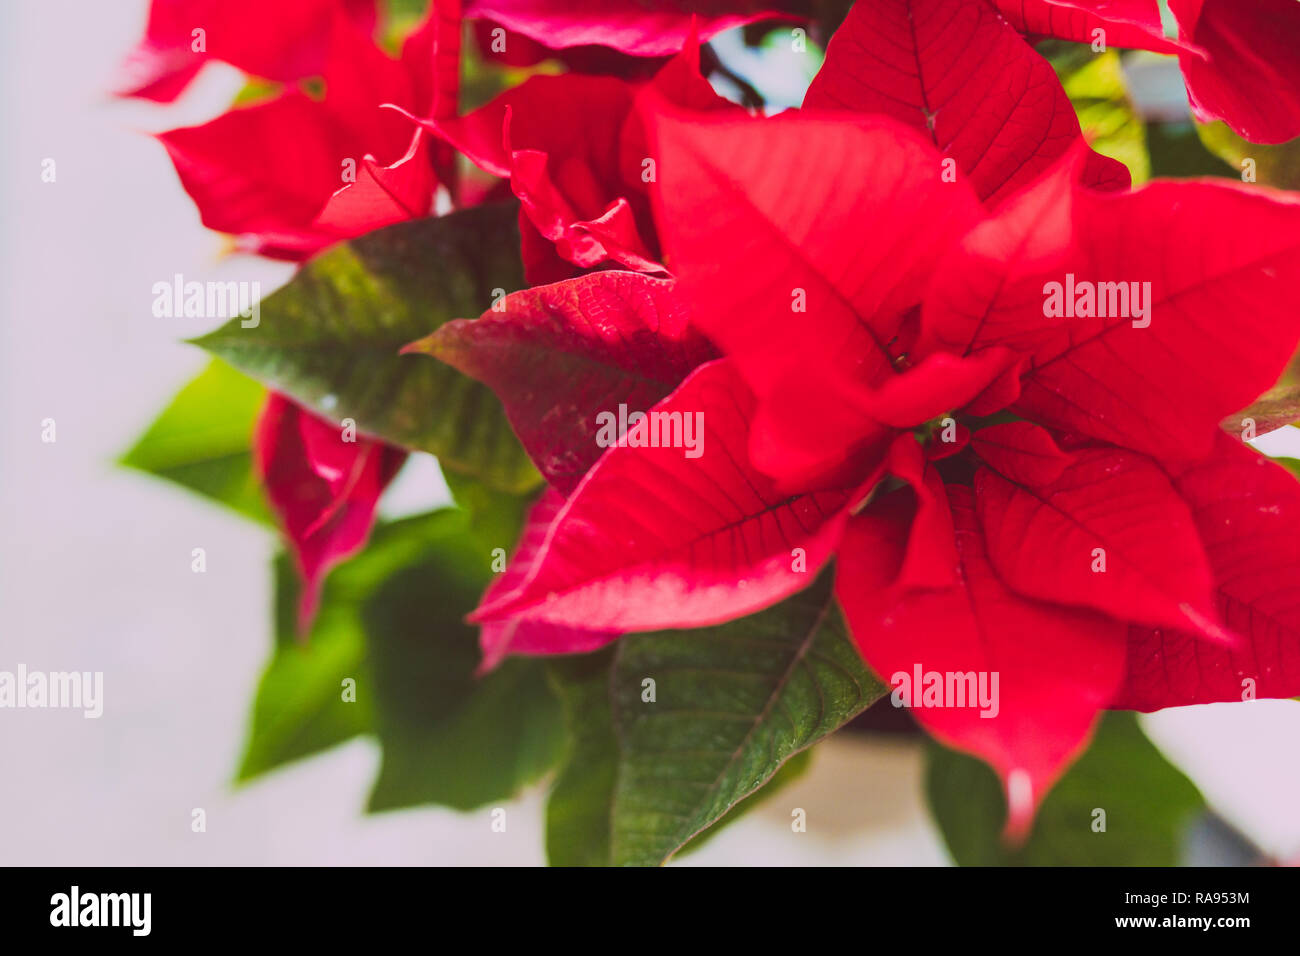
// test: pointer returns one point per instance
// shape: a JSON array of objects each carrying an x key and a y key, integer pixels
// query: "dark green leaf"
[
  {"x": 1147, "y": 804},
  {"x": 448, "y": 736},
  {"x": 495, "y": 517},
  {"x": 1177, "y": 152},
  {"x": 732, "y": 704},
  {"x": 790, "y": 771},
  {"x": 331, "y": 338},
  {"x": 579, "y": 812},
  {"x": 203, "y": 440},
  {"x": 299, "y": 709}
]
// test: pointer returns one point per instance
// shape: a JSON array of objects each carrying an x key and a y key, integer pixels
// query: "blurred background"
[{"x": 95, "y": 559}]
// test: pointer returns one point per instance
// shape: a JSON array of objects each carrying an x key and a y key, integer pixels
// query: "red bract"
[
  {"x": 644, "y": 29},
  {"x": 518, "y": 636},
  {"x": 1129, "y": 24},
  {"x": 1249, "y": 74},
  {"x": 323, "y": 486},
  {"x": 576, "y": 155},
  {"x": 1247, "y": 512},
  {"x": 287, "y": 41},
  {"x": 655, "y": 536},
  {"x": 860, "y": 360},
  {"x": 956, "y": 70},
  {"x": 1241, "y": 61},
  {"x": 560, "y": 354},
  {"x": 294, "y": 174},
  {"x": 1057, "y": 666}
]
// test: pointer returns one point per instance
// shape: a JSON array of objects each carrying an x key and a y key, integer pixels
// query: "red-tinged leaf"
[
  {"x": 1128, "y": 24},
  {"x": 1276, "y": 408},
  {"x": 1195, "y": 279},
  {"x": 635, "y": 27},
  {"x": 517, "y": 636},
  {"x": 958, "y": 73},
  {"x": 764, "y": 221},
  {"x": 1249, "y": 75},
  {"x": 1110, "y": 533},
  {"x": 652, "y": 538},
  {"x": 560, "y": 355},
  {"x": 1247, "y": 511},
  {"x": 1021, "y": 452},
  {"x": 285, "y": 41},
  {"x": 1056, "y": 667},
  {"x": 382, "y": 195},
  {"x": 323, "y": 488}
]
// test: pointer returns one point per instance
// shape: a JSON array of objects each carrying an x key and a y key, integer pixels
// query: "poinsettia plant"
[{"x": 754, "y": 414}]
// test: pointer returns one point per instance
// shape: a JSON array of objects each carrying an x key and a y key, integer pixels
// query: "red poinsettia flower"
[{"x": 1003, "y": 420}]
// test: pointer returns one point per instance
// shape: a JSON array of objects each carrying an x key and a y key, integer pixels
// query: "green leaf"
[
  {"x": 1095, "y": 85},
  {"x": 579, "y": 818},
  {"x": 1274, "y": 165},
  {"x": 331, "y": 338},
  {"x": 203, "y": 440},
  {"x": 299, "y": 709},
  {"x": 790, "y": 771},
  {"x": 392, "y": 620},
  {"x": 495, "y": 517},
  {"x": 1147, "y": 802},
  {"x": 1177, "y": 152},
  {"x": 732, "y": 704},
  {"x": 450, "y": 737}
]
